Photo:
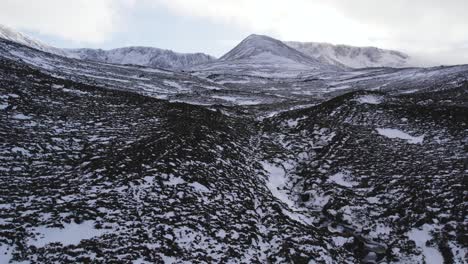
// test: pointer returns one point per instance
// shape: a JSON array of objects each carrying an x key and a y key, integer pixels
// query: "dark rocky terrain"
[{"x": 96, "y": 169}]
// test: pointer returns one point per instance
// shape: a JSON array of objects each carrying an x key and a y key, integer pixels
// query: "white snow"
[
  {"x": 70, "y": 234},
  {"x": 144, "y": 56},
  {"x": 141, "y": 261},
  {"x": 342, "y": 179},
  {"x": 420, "y": 237},
  {"x": 221, "y": 234},
  {"x": 199, "y": 187},
  {"x": 292, "y": 123},
  {"x": 23, "y": 151},
  {"x": 5, "y": 253},
  {"x": 354, "y": 57},
  {"x": 319, "y": 200},
  {"x": 15, "y": 36},
  {"x": 380, "y": 230},
  {"x": 78, "y": 92},
  {"x": 21, "y": 117},
  {"x": 3, "y": 106},
  {"x": 369, "y": 99},
  {"x": 340, "y": 241},
  {"x": 168, "y": 259},
  {"x": 396, "y": 133},
  {"x": 237, "y": 100},
  {"x": 173, "y": 84},
  {"x": 276, "y": 182},
  {"x": 174, "y": 181}
]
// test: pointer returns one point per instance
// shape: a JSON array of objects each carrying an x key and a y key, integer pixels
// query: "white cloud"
[
  {"x": 431, "y": 28},
  {"x": 293, "y": 20},
  {"x": 84, "y": 21}
]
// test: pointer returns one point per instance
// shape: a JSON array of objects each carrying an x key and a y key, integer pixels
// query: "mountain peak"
[
  {"x": 254, "y": 45},
  {"x": 258, "y": 37}
]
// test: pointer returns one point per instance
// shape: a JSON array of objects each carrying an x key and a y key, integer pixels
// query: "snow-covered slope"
[
  {"x": 354, "y": 57},
  {"x": 18, "y": 37},
  {"x": 144, "y": 56}
]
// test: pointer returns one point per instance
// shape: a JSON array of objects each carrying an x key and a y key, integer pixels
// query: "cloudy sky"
[{"x": 436, "y": 30}]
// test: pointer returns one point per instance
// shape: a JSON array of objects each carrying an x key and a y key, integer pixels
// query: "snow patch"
[
  {"x": 237, "y": 100},
  {"x": 5, "y": 253},
  {"x": 276, "y": 182},
  {"x": 421, "y": 237},
  {"x": 221, "y": 234},
  {"x": 23, "y": 151},
  {"x": 396, "y": 133},
  {"x": 369, "y": 99},
  {"x": 342, "y": 179},
  {"x": 70, "y": 234},
  {"x": 21, "y": 117},
  {"x": 199, "y": 187},
  {"x": 174, "y": 181},
  {"x": 340, "y": 241}
]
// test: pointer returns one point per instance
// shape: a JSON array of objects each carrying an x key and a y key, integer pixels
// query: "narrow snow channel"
[
  {"x": 396, "y": 133},
  {"x": 276, "y": 183}
]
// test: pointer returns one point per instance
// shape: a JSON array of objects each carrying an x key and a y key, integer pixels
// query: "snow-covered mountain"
[
  {"x": 258, "y": 54},
  {"x": 144, "y": 56},
  {"x": 354, "y": 57},
  {"x": 18, "y": 37},
  {"x": 264, "y": 48}
]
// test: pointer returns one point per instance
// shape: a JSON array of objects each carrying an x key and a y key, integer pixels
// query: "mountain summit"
[
  {"x": 266, "y": 56},
  {"x": 269, "y": 50}
]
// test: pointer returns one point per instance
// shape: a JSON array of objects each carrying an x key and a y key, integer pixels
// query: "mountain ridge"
[
  {"x": 138, "y": 55},
  {"x": 352, "y": 56},
  {"x": 144, "y": 56},
  {"x": 264, "y": 49}
]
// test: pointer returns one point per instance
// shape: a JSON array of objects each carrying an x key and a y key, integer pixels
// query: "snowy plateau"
[{"x": 276, "y": 152}]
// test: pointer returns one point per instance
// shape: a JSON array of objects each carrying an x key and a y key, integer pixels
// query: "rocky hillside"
[{"x": 103, "y": 163}]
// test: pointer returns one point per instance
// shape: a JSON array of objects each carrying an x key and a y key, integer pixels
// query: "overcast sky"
[{"x": 436, "y": 30}]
